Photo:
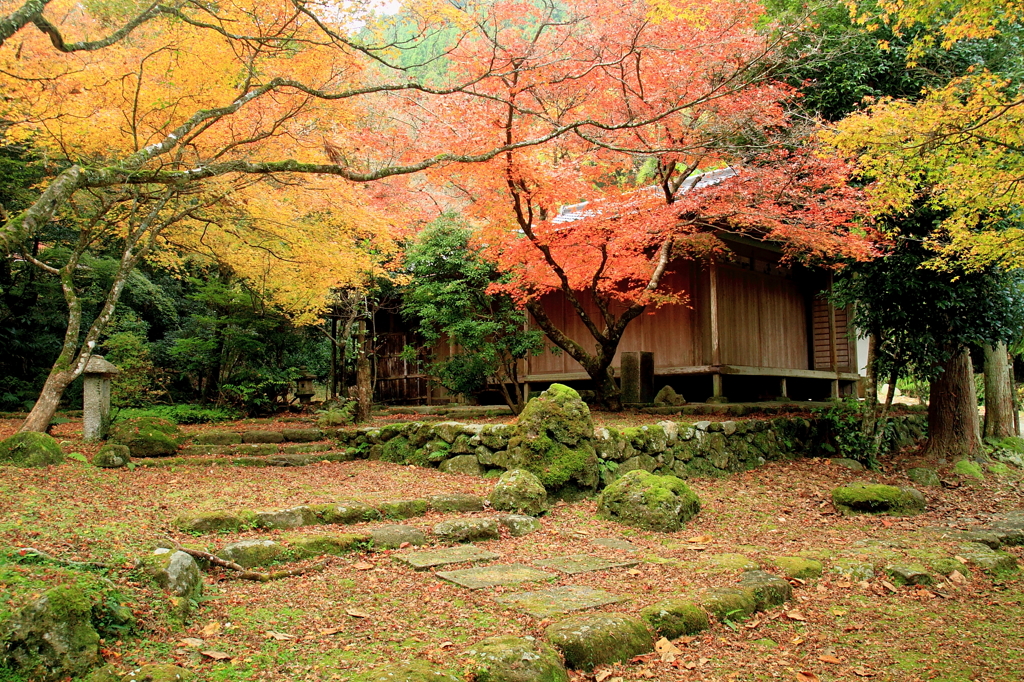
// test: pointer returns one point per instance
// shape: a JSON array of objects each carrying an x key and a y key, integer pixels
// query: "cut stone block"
[
  {"x": 582, "y": 563},
  {"x": 616, "y": 543},
  {"x": 393, "y": 536},
  {"x": 558, "y": 600},
  {"x": 456, "y": 502},
  {"x": 449, "y": 555},
  {"x": 493, "y": 576}
]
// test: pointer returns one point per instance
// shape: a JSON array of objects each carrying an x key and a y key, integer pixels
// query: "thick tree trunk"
[
  {"x": 998, "y": 402},
  {"x": 954, "y": 429}
]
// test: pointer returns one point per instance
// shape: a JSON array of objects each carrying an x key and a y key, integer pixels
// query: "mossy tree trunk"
[
  {"x": 998, "y": 401},
  {"x": 954, "y": 427}
]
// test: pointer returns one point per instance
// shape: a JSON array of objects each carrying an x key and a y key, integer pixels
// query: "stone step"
[
  {"x": 494, "y": 576},
  {"x": 559, "y": 600}
]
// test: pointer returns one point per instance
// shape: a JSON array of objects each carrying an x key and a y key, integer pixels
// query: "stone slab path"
[
  {"x": 558, "y": 600},
  {"x": 459, "y": 554},
  {"x": 582, "y": 563},
  {"x": 616, "y": 543},
  {"x": 493, "y": 576}
]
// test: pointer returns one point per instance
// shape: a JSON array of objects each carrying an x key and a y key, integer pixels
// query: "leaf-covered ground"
[{"x": 366, "y": 609}]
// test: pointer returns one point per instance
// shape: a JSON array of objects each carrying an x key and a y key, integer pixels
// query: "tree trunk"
[
  {"x": 998, "y": 402},
  {"x": 364, "y": 393},
  {"x": 954, "y": 430}
]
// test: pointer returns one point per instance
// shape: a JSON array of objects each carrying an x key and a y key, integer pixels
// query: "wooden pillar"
[
  {"x": 833, "y": 352},
  {"x": 783, "y": 389},
  {"x": 716, "y": 343}
]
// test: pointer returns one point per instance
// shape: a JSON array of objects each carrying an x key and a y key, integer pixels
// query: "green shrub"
[{"x": 182, "y": 414}]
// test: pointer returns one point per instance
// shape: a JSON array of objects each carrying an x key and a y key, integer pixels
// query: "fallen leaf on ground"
[
  {"x": 330, "y": 631},
  {"x": 863, "y": 672},
  {"x": 957, "y": 577},
  {"x": 356, "y": 613},
  {"x": 795, "y": 615},
  {"x": 193, "y": 642},
  {"x": 806, "y": 676},
  {"x": 700, "y": 539},
  {"x": 279, "y": 636},
  {"x": 827, "y": 658},
  {"x": 633, "y": 571},
  {"x": 362, "y": 566},
  {"x": 210, "y": 629},
  {"x": 889, "y": 586},
  {"x": 602, "y": 676},
  {"x": 216, "y": 655}
]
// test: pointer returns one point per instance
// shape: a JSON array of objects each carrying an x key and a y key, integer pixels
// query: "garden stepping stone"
[
  {"x": 731, "y": 562},
  {"x": 853, "y": 569},
  {"x": 251, "y": 553},
  {"x": 459, "y": 554},
  {"x": 558, "y": 600},
  {"x": 799, "y": 567},
  {"x": 403, "y": 509},
  {"x": 987, "y": 559},
  {"x": 493, "y": 576},
  {"x": 616, "y": 543},
  {"x": 909, "y": 574},
  {"x": 582, "y": 563},
  {"x": 296, "y": 517},
  {"x": 393, "y": 536},
  {"x": 456, "y": 502}
]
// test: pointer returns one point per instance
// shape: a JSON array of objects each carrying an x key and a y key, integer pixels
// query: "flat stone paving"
[
  {"x": 557, "y": 600},
  {"x": 493, "y": 576},
  {"x": 459, "y": 554},
  {"x": 616, "y": 543},
  {"x": 582, "y": 563}
]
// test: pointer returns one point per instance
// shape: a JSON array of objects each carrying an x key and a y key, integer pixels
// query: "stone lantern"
[
  {"x": 96, "y": 397},
  {"x": 304, "y": 390}
]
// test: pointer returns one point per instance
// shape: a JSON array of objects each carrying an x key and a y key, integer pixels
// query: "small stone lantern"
[
  {"x": 96, "y": 397},
  {"x": 304, "y": 390}
]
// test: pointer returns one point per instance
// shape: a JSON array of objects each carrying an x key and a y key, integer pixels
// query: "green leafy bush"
[{"x": 182, "y": 414}]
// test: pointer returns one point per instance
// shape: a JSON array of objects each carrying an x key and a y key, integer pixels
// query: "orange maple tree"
[{"x": 677, "y": 95}]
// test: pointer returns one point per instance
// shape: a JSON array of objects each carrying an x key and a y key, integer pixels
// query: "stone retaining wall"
[{"x": 683, "y": 449}]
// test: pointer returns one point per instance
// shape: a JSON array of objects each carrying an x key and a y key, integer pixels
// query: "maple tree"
[
  {"x": 204, "y": 125},
  {"x": 687, "y": 90}
]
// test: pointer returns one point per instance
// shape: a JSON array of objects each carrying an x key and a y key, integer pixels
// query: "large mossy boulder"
[
  {"x": 553, "y": 438},
  {"x": 507, "y": 658},
  {"x": 52, "y": 637},
  {"x": 177, "y": 572},
  {"x": 147, "y": 436},
  {"x": 521, "y": 492},
  {"x": 594, "y": 639},
  {"x": 644, "y": 500},
  {"x": 30, "y": 449},
  {"x": 875, "y": 498}
]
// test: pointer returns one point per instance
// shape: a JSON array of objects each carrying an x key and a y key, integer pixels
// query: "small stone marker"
[
  {"x": 582, "y": 563},
  {"x": 557, "y": 600},
  {"x": 616, "y": 543},
  {"x": 493, "y": 576},
  {"x": 96, "y": 397},
  {"x": 421, "y": 561}
]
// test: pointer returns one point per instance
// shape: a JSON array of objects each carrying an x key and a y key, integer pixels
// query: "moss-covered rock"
[
  {"x": 159, "y": 672},
  {"x": 925, "y": 476},
  {"x": 393, "y": 536},
  {"x": 52, "y": 637},
  {"x": 262, "y": 436},
  {"x": 674, "y": 618},
  {"x": 521, "y": 492},
  {"x": 466, "y": 530},
  {"x": 590, "y": 640},
  {"x": 216, "y": 521},
  {"x": 30, "y": 449},
  {"x": 403, "y": 509},
  {"x": 854, "y": 569},
  {"x": 455, "y": 502},
  {"x": 507, "y": 658},
  {"x": 519, "y": 525},
  {"x": 303, "y": 546},
  {"x": 768, "y": 590},
  {"x": 217, "y": 438},
  {"x": 875, "y": 498},
  {"x": 467, "y": 465},
  {"x": 728, "y": 603},
  {"x": 799, "y": 567},
  {"x": 643, "y": 500},
  {"x": 293, "y": 517},
  {"x": 553, "y": 438},
  {"x": 347, "y": 512},
  {"x": 147, "y": 436},
  {"x": 112, "y": 456},
  {"x": 991, "y": 561},
  {"x": 176, "y": 572},
  {"x": 909, "y": 574},
  {"x": 417, "y": 671},
  {"x": 730, "y": 561},
  {"x": 302, "y": 435},
  {"x": 969, "y": 469},
  {"x": 250, "y": 553}
]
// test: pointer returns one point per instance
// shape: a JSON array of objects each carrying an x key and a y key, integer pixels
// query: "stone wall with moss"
[{"x": 683, "y": 449}]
